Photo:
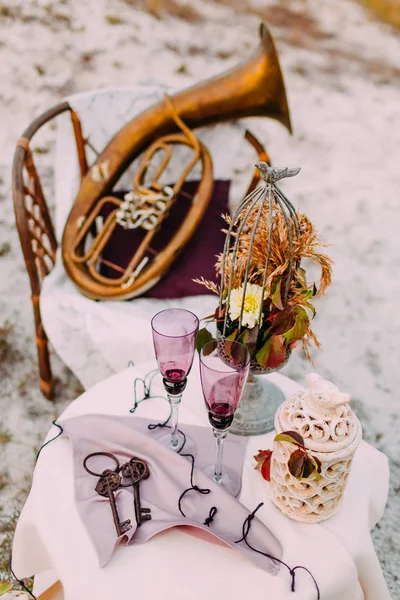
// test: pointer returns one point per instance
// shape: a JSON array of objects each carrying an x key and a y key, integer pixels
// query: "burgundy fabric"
[{"x": 197, "y": 258}]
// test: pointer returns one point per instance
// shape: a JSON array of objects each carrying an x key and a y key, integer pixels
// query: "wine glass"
[
  {"x": 175, "y": 333},
  {"x": 224, "y": 367}
]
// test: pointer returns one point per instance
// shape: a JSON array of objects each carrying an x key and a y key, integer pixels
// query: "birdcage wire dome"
[{"x": 261, "y": 398}]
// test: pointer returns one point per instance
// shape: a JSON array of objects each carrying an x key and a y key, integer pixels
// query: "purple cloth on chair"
[
  {"x": 199, "y": 255},
  {"x": 169, "y": 477}
]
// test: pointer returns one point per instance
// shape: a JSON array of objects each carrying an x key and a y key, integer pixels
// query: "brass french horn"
[{"x": 253, "y": 88}]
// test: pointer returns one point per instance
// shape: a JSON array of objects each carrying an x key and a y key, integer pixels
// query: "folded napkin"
[{"x": 170, "y": 476}]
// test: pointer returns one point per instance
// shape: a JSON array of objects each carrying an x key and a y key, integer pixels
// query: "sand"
[{"x": 343, "y": 77}]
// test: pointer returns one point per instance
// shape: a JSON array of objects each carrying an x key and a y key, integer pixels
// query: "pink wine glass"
[
  {"x": 175, "y": 336},
  {"x": 224, "y": 367}
]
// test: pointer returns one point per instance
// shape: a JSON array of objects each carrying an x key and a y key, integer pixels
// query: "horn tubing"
[{"x": 255, "y": 87}]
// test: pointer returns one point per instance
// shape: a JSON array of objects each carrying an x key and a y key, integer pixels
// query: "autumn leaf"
[
  {"x": 249, "y": 338},
  {"x": 284, "y": 320},
  {"x": 290, "y": 436},
  {"x": 273, "y": 353},
  {"x": 296, "y": 463},
  {"x": 315, "y": 465},
  {"x": 301, "y": 276},
  {"x": 297, "y": 332},
  {"x": 203, "y": 337},
  {"x": 276, "y": 296},
  {"x": 263, "y": 459}
]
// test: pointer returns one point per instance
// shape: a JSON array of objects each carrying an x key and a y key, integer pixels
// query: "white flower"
[{"x": 252, "y": 304}]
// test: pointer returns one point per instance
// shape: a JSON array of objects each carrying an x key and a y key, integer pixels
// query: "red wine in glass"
[
  {"x": 174, "y": 336},
  {"x": 220, "y": 415},
  {"x": 224, "y": 367}
]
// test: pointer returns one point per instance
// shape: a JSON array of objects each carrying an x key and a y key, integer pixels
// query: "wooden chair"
[{"x": 35, "y": 227}]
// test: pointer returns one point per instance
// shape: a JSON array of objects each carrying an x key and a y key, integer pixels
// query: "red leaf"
[
  {"x": 296, "y": 463},
  {"x": 266, "y": 468},
  {"x": 284, "y": 320},
  {"x": 220, "y": 312},
  {"x": 263, "y": 459}
]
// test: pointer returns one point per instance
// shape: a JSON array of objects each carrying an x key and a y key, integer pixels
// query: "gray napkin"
[{"x": 170, "y": 473}]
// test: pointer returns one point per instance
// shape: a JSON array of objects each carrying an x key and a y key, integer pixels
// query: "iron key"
[
  {"x": 135, "y": 470},
  {"x": 110, "y": 482}
]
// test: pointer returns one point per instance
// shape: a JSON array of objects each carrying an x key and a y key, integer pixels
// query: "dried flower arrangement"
[
  {"x": 282, "y": 300},
  {"x": 301, "y": 464}
]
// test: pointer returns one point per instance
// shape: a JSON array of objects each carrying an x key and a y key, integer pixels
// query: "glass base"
[
  {"x": 187, "y": 447},
  {"x": 260, "y": 401},
  {"x": 231, "y": 481}
]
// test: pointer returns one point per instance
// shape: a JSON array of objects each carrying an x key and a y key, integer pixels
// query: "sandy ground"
[{"x": 342, "y": 73}]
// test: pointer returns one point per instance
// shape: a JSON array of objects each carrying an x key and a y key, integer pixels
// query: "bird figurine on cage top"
[{"x": 265, "y": 301}]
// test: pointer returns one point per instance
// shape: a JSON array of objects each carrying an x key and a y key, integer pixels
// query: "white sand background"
[{"x": 343, "y": 77}]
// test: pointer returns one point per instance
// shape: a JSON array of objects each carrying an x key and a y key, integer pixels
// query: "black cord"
[
  {"x": 147, "y": 381},
  {"x": 20, "y": 582},
  {"x": 245, "y": 532},
  {"x": 51, "y": 440},
  {"x": 211, "y": 515},
  {"x": 193, "y": 486}
]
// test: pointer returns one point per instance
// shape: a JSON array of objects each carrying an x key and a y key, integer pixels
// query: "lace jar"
[{"x": 331, "y": 432}]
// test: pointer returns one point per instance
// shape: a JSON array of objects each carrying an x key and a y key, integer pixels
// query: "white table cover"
[{"x": 51, "y": 540}]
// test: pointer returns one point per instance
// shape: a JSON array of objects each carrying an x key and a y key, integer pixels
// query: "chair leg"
[
  {"x": 46, "y": 380},
  {"x": 53, "y": 593}
]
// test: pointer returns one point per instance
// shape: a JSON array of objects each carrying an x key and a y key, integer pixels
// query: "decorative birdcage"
[
  {"x": 264, "y": 298},
  {"x": 246, "y": 278}
]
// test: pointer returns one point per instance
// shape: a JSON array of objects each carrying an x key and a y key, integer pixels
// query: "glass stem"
[
  {"x": 219, "y": 440},
  {"x": 174, "y": 403}
]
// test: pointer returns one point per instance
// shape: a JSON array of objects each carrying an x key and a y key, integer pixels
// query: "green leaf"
[
  {"x": 249, "y": 338},
  {"x": 232, "y": 336},
  {"x": 311, "y": 309},
  {"x": 5, "y": 586},
  {"x": 301, "y": 276},
  {"x": 202, "y": 339},
  {"x": 273, "y": 353},
  {"x": 307, "y": 294},
  {"x": 276, "y": 296},
  {"x": 308, "y": 468},
  {"x": 300, "y": 326},
  {"x": 290, "y": 436},
  {"x": 284, "y": 320},
  {"x": 296, "y": 463}
]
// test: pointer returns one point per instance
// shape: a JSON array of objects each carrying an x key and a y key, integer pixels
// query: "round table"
[{"x": 51, "y": 542}]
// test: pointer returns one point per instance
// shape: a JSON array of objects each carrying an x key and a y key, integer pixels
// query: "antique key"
[
  {"x": 109, "y": 483},
  {"x": 135, "y": 470}
]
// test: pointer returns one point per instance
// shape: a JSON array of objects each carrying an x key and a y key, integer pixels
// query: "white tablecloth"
[{"x": 51, "y": 540}]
